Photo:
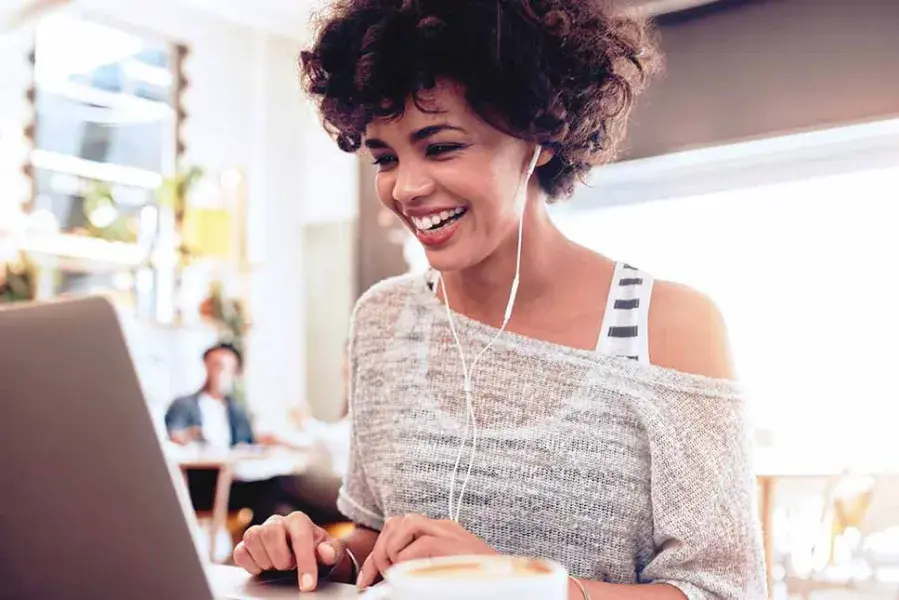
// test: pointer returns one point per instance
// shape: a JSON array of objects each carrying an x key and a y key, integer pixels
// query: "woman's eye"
[
  {"x": 441, "y": 149},
  {"x": 385, "y": 160}
]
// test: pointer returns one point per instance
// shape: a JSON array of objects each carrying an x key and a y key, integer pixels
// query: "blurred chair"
[
  {"x": 236, "y": 524},
  {"x": 879, "y": 530},
  {"x": 859, "y": 528},
  {"x": 801, "y": 511}
]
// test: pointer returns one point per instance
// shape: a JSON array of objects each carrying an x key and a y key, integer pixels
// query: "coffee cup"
[{"x": 474, "y": 578}]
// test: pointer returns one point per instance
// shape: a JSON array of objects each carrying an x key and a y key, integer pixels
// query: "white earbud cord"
[{"x": 522, "y": 198}]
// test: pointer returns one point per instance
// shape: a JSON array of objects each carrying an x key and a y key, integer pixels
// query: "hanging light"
[
  {"x": 103, "y": 214},
  {"x": 27, "y": 13}
]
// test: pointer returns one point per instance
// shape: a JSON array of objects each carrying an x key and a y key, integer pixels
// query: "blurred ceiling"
[
  {"x": 15, "y": 13},
  {"x": 291, "y": 17},
  {"x": 288, "y": 18}
]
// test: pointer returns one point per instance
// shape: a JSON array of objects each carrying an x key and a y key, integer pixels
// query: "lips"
[
  {"x": 437, "y": 228},
  {"x": 434, "y": 220}
]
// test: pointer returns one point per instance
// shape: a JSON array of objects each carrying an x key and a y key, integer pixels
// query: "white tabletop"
[
  {"x": 247, "y": 464},
  {"x": 232, "y": 583}
]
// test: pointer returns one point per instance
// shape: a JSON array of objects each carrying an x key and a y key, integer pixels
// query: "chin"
[
  {"x": 447, "y": 260},
  {"x": 451, "y": 249}
]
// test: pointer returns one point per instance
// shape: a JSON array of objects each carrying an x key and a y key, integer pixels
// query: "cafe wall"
[{"x": 245, "y": 112}]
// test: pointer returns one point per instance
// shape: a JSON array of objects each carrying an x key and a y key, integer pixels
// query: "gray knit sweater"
[{"x": 622, "y": 472}]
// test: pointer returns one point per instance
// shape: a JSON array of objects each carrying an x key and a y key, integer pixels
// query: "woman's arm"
[
  {"x": 705, "y": 524},
  {"x": 360, "y": 543},
  {"x": 609, "y": 591},
  {"x": 416, "y": 536}
]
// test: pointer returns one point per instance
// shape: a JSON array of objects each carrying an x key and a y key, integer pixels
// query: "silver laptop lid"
[{"x": 88, "y": 507}]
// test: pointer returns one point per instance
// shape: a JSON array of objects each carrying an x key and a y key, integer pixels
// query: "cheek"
[
  {"x": 384, "y": 189},
  {"x": 487, "y": 190},
  {"x": 474, "y": 182}
]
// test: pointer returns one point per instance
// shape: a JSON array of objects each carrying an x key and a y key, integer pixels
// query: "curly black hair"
[
  {"x": 563, "y": 73},
  {"x": 230, "y": 348}
]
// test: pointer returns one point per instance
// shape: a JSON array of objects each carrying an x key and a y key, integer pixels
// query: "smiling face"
[
  {"x": 452, "y": 178},
  {"x": 221, "y": 369}
]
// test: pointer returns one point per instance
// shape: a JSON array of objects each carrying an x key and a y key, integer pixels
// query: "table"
[
  {"x": 771, "y": 466},
  {"x": 240, "y": 464},
  {"x": 232, "y": 583}
]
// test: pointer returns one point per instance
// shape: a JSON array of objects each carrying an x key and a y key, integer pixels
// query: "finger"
[
  {"x": 380, "y": 561},
  {"x": 256, "y": 547},
  {"x": 382, "y": 558},
  {"x": 371, "y": 568},
  {"x": 412, "y": 528},
  {"x": 274, "y": 538},
  {"x": 367, "y": 574},
  {"x": 302, "y": 539},
  {"x": 243, "y": 559},
  {"x": 329, "y": 552},
  {"x": 425, "y": 547}
]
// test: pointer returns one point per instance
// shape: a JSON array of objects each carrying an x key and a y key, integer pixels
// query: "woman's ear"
[{"x": 546, "y": 155}]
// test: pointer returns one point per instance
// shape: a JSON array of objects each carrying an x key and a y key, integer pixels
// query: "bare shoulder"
[{"x": 687, "y": 332}]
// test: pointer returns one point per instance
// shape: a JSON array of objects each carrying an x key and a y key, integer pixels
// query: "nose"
[{"x": 412, "y": 182}]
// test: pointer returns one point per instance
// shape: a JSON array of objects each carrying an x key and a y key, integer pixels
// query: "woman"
[{"x": 526, "y": 399}]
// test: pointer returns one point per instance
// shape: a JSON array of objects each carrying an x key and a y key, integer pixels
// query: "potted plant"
[
  {"x": 173, "y": 194},
  {"x": 18, "y": 279},
  {"x": 104, "y": 220},
  {"x": 229, "y": 317}
]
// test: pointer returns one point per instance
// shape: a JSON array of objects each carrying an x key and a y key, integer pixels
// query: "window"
[
  {"x": 105, "y": 125},
  {"x": 105, "y": 138},
  {"x": 805, "y": 274}
]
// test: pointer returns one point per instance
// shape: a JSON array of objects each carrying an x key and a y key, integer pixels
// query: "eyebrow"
[
  {"x": 432, "y": 130},
  {"x": 416, "y": 136}
]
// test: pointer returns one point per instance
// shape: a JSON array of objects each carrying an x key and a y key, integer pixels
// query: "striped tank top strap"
[{"x": 625, "y": 325}]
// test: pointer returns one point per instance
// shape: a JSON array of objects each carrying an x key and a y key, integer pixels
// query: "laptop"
[{"x": 90, "y": 507}]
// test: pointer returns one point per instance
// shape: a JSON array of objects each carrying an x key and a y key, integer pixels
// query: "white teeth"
[{"x": 432, "y": 221}]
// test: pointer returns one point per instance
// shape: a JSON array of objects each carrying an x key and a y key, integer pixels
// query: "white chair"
[{"x": 859, "y": 529}]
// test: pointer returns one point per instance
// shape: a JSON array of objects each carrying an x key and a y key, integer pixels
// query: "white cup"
[{"x": 474, "y": 578}]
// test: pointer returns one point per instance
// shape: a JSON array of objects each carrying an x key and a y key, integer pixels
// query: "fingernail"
[
  {"x": 328, "y": 554},
  {"x": 359, "y": 580},
  {"x": 306, "y": 582}
]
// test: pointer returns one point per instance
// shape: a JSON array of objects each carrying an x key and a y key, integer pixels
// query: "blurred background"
[{"x": 162, "y": 154}]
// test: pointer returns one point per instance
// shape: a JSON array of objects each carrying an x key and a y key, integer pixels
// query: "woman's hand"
[
  {"x": 416, "y": 536},
  {"x": 284, "y": 543}
]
